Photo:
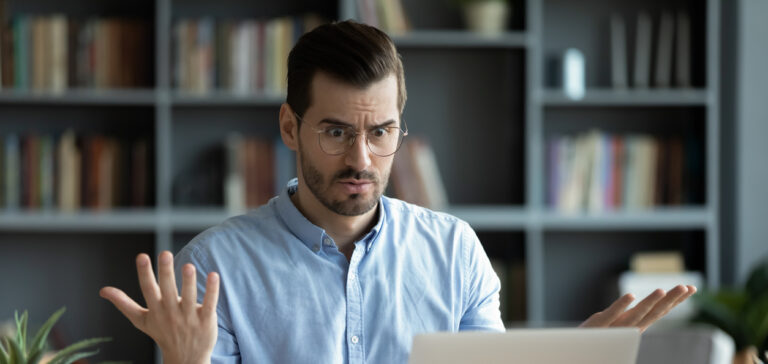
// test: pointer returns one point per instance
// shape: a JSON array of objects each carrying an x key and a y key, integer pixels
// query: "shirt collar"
[{"x": 310, "y": 234}]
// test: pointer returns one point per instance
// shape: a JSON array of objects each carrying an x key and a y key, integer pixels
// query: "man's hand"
[
  {"x": 645, "y": 313},
  {"x": 184, "y": 330}
]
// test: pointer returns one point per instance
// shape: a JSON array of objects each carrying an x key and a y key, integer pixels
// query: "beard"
[{"x": 353, "y": 204}]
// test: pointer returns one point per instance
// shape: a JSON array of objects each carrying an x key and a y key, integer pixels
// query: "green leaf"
[
  {"x": 17, "y": 355},
  {"x": 718, "y": 313},
  {"x": 756, "y": 317},
  {"x": 64, "y": 353},
  {"x": 4, "y": 358},
  {"x": 78, "y": 356},
  {"x": 21, "y": 330},
  {"x": 757, "y": 283},
  {"x": 38, "y": 344}
]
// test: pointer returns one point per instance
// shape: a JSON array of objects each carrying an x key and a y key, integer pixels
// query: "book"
[
  {"x": 416, "y": 176},
  {"x": 683, "y": 51},
  {"x": 642, "y": 65},
  {"x": 12, "y": 174},
  {"x": 69, "y": 172},
  {"x": 618, "y": 52},
  {"x": 234, "y": 183},
  {"x": 663, "y": 70}
]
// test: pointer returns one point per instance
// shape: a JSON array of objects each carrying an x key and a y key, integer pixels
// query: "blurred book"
[
  {"x": 387, "y": 15},
  {"x": 416, "y": 176},
  {"x": 68, "y": 172},
  {"x": 252, "y": 164},
  {"x": 657, "y": 262},
  {"x": 642, "y": 64},
  {"x": 663, "y": 69},
  {"x": 683, "y": 51},
  {"x": 600, "y": 172},
  {"x": 56, "y": 52},
  {"x": 618, "y": 52},
  {"x": 237, "y": 56}
]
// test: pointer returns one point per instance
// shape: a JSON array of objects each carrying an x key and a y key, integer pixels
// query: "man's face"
[{"x": 351, "y": 183}]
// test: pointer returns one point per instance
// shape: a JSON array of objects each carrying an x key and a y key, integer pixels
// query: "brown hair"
[{"x": 355, "y": 53}]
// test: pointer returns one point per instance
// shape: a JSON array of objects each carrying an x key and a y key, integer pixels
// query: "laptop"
[{"x": 529, "y": 346}]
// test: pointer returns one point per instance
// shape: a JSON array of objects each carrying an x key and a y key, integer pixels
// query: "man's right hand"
[{"x": 184, "y": 330}]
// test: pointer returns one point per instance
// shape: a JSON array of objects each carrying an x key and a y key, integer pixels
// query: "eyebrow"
[{"x": 338, "y": 122}]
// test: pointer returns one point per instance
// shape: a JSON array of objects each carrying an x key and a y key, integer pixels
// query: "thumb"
[{"x": 128, "y": 307}]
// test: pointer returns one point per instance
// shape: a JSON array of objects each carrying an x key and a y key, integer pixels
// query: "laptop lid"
[{"x": 529, "y": 346}]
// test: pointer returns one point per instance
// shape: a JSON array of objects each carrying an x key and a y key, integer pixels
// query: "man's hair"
[{"x": 351, "y": 52}]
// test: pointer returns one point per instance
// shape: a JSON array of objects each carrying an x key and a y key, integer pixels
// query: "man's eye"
[
  {"x": 379, "y": 132},
  {"x": 335, "y": 132}
]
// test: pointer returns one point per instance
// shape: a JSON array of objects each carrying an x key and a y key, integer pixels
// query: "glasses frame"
[{"x": 403, "y": 133}]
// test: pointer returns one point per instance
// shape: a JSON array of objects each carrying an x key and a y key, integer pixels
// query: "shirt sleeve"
[
  {"x": 226, "y": 350},
  {"x": 481, "y": 287}
]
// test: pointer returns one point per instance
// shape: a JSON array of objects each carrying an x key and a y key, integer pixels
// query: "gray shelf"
[
  {"x": 658, "y": 219},
  {"x": 143, "y": 220},
  {"x": 196, "y": 219},
  {"x": 222, "y": 98},
  {"x": 499, "y": 218},
  {"x": 629, "y": 97},
  {"x": 141, "y": 97},
  {"x": 460, "y": 39}
]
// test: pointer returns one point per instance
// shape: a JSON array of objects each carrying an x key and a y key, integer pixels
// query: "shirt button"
[
  {"x": 316, "y": 248},
  {"x": 355, "y": 339},
  {"x": 327, "y": 242}
]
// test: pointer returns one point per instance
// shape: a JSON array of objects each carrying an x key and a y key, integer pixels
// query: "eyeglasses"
[{"x": 382, "y": 141}]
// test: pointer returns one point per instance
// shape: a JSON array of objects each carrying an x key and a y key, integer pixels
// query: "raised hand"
[
  {"x": 645, "y": 313},
  {"x": 184, "y": 330}
]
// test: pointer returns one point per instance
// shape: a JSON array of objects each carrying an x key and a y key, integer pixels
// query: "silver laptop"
[{"x": 529, "y": 346}]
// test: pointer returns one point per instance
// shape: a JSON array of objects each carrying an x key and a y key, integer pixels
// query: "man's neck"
[{"x": 344, "y": 230}]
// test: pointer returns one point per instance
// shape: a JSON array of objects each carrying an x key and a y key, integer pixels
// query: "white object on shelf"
[{"x": 573, "y": 74}]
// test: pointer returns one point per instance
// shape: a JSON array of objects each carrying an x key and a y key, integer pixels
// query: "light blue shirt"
[{"x": 288, "y": 295}]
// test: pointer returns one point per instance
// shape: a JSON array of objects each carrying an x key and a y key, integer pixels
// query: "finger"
[
  {"x": 147, "y": 281},
  {"x": 188, "y": 289},
  {"x": 637, "y": 313},
  {"x": 691, "y": 292},
  {"x": 211, "y": 298},
  {"x": 167, "y": 280},
  {"x": 610, "y": 314},
  {"x": 128, "y": 307},
  {"x": 663, "y": 306}
]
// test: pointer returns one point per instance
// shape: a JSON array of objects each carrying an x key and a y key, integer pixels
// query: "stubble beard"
[{"x": 354, "y": 204}]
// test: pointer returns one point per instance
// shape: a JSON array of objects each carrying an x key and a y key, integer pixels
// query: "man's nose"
[{"x": 358, "y": 156}]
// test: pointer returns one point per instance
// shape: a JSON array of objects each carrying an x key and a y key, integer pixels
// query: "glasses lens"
[{"x": 384, "y": 141}]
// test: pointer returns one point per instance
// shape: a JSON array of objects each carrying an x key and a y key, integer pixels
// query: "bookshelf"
[{"x": 486, "y": 104}]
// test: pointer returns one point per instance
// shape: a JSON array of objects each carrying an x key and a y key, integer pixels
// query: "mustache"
[{"x": 351, "y": 173}]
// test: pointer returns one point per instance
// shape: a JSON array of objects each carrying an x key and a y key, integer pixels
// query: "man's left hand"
[{"x": 645, "y": 313}]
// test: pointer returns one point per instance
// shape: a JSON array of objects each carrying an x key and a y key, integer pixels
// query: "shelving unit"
[{"x": 485, "y": 104}]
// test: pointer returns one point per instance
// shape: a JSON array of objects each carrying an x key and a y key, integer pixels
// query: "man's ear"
[{"x": 289, "y": 127}]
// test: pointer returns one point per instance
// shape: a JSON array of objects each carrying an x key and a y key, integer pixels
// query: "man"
[{"x": 330, "y": 270}]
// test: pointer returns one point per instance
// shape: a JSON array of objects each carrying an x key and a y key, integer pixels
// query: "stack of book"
[
  {"x": 416, "y": 176},
  {"x": 242, "y": 57},
  {"x": 70, "y": 172},
  {"x": 256, "y": 170},
  {"x": 53, "y": 53},
  {"x": 669, "y": 57},
  {"x": 387, "y": 15},
  {"x": 598, "y": 172}
]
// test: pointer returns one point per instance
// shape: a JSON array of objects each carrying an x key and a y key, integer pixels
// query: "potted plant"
[
  {"x": 18, "y": 350},
  {"x": 486, "y": 16},
  {"x": 742, "y": 313}
]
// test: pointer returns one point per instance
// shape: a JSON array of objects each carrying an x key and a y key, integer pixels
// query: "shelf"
[
  {"x": 142, "y": 97},
  {"x": 460, "y": 39},
  {"x": 608, "y": 97},
  {"x": 196, "y": 219},
  {"x": 142, "y": 220},
  {"x": 223, "y": 98},
  {"x": 659, "y": 219},
  {"x": 492, "y": 217}
]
